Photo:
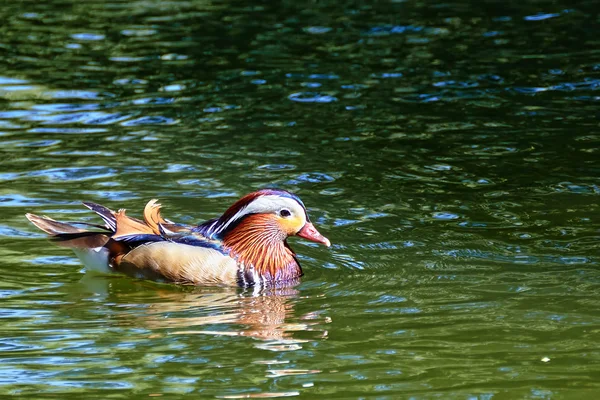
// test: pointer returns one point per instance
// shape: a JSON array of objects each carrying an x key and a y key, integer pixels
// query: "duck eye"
[{"x": 285, "y": 213}]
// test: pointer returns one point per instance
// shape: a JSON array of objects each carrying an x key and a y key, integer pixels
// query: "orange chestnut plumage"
[{"x": 246, "y": 246}]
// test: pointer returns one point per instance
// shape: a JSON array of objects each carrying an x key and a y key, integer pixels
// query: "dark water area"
[{"x": 449, "y": 150}]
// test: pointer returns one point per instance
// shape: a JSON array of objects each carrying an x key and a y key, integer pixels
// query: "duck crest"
[
  {"x": 261, "y": 252},
  {"x": 219, "y": 227}
]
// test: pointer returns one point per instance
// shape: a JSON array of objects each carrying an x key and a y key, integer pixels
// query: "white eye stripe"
[{"x": 265, "y": 205}]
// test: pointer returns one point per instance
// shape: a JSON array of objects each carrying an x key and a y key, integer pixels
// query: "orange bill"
[{"x": 309, "y": 232}]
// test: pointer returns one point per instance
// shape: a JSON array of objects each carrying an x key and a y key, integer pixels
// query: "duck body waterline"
[{"x": 246, "y": 246}]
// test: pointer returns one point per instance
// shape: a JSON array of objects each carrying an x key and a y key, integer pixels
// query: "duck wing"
[
  {"x": 173, "y": 252},
  {"x": 181, "y": 263}
]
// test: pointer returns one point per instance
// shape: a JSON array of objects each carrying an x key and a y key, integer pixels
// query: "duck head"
[{"x": 255, "y": 230}]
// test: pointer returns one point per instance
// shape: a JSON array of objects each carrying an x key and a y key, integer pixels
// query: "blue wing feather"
[{"x": 186, "y": 236}]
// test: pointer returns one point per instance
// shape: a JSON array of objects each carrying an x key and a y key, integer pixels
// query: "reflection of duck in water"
[
  {"x": 246, "y": 246},
  {"x": 259, "y": 315},
  {"x": 266, "y": 314}
]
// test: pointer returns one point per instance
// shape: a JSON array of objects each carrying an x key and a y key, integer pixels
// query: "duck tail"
[
  {"x": 107, "y": 215},
  {"x": 68, "y": 234},
  {"x": 52, "y": 227}
]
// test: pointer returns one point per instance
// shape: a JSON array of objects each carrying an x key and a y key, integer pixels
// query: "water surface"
[{"x": 448, "y": 150}]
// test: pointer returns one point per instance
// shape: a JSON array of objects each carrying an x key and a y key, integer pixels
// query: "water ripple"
[
  {"x": 311, "y": 97},
  {"x": 74, "y": 173},
  {"x": 456, "y": 175}
]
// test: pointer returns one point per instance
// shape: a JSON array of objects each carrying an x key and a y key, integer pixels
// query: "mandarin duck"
[{"x": 246, "y": 246}]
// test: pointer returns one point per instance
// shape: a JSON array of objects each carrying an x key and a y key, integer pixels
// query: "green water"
[{"x": 449, "y": 150}]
